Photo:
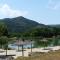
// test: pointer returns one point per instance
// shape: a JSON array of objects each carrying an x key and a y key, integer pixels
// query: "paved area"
[{"x": 16, "y": 53}]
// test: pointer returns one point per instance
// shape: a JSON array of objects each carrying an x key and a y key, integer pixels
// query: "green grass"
[{"x": 43, "y": 56}]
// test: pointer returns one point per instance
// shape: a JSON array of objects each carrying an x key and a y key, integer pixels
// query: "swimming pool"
[{"x": 13, "y": 46}]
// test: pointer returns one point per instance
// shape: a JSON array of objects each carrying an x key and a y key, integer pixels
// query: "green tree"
[
  {"x": 4, "y": 41},
  {"x": 3, "y": 29}
]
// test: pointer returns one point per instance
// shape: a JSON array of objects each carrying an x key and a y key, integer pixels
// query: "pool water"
[{"x": 13, "y": 46}]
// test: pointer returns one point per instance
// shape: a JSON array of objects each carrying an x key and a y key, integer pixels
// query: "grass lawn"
[{"x": 43, "y": 56}]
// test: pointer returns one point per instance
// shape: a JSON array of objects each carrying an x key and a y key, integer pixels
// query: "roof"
[{"x": 20, "y": 42}]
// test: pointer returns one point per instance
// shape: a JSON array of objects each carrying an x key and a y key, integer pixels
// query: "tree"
[
  {"x": 4, "y": 42},
  {"x": 3, "y": 30}
]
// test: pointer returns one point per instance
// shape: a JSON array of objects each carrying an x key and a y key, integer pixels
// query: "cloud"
[
  {"x": 54, "y": 4},
  {"x": 7, "y": 11}
]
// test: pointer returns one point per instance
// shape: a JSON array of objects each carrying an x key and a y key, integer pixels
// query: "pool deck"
[{"x": 15, "y": 53}]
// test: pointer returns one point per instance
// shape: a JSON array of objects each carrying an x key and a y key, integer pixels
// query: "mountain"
[
  {"x": 55, "y": 25},
  {"x": 20, "y": 24}
]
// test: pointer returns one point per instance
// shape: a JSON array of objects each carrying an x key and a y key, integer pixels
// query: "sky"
[{"x": 42, "y": 11}]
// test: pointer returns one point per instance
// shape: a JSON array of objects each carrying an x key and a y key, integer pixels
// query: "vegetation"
[
  {"x": 19, "y": 24},
  {"x": 28, "y": 29},
  {"x": 3, "y": 29},
  {"x": 4, "y": 36},
  {"x": 43, "y": 32}
]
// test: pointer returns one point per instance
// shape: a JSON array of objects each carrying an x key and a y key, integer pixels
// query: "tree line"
[{"x": 42, "y": 32}]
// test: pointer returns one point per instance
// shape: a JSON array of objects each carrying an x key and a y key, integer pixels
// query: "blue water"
[{"x": 12, "y": 46}]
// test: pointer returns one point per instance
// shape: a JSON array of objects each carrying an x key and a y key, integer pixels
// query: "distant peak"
[{"x": 20, "y": 17}]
